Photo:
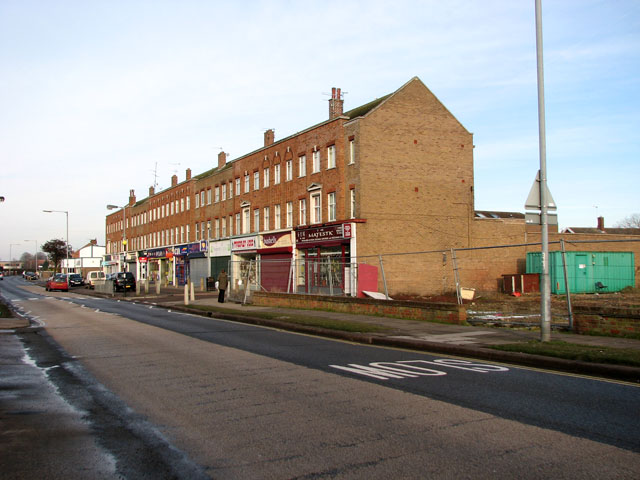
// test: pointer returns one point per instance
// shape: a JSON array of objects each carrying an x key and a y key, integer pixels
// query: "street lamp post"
[
  {"x": 36, "y": 256},
  {"x": 66, "y": 212},
  {"x": 124, "y": 233}
]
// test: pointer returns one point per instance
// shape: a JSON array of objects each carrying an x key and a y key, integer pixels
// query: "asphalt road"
[{"x": 250, "y": 402}]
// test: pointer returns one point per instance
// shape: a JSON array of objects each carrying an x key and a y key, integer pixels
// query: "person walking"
[{"x": 223, "y": 281}]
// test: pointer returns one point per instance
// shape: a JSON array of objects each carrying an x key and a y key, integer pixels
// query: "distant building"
[{"x": 85, "y": 259}]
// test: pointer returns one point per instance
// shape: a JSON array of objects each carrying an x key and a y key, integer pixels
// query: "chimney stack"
[
  {"x": 152, "y": 191},
  {"x": 222, "y": 159},
  {"x": 132, "y": 197},
  {"x": 269, "y": 137},
  {"x": 601, "y": 224},
  {"x": 336, "y": 103},
  {"x": 174, "y": 180},
  {"x": 188, "y": 174}
]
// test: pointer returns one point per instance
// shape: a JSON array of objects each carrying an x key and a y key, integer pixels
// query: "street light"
[
  {"x": 36, "y": 257},
  {"x": 124, "y": 233},
  {"x": 66, "y": 212}
]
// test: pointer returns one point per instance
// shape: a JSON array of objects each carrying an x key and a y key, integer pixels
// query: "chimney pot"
[
  {"x": 336, "y": 103},
  {"x": 601, "y": 224}
]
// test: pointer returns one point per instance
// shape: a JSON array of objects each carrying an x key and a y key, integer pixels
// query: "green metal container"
[{"x": 587, "y": 272}]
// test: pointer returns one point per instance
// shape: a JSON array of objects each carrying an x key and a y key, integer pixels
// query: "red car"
[{"x": 57, "y": 282}]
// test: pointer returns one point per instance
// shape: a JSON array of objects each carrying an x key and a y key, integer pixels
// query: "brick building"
[{"x": 318, "y": 211}]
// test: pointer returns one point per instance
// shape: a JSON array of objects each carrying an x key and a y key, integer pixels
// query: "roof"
[
  {"x": 362, "y": 110},
  {"x": 597, "y": 231},
  {"x": 491, "y": 214}
]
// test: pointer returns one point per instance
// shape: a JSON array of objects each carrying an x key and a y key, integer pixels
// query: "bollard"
[
  {"x": 146, "y": 285},
  {"x": 202, "y": 284},
  {"x": 186, "y": 294},
  {"x": 193, "y": 295},
  {"x": 158, "y": 287}
]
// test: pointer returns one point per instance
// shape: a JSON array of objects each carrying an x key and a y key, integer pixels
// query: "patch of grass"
[
  {"x": 573, "y": 351},
  {"x": 329, "y": 324},
  {"x": 5, "y": 312}
]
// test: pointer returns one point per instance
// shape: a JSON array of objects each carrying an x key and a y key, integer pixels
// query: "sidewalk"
[{"x": 471, "y": 341}]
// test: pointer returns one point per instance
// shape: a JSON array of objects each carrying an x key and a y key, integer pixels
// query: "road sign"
[
  {"x": 533, "y": 200},
  {"x": 536, "y": 218}
]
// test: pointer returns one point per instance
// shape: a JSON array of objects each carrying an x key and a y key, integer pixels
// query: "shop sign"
[
  {"x": 220, "y": 249},
  {"x": 329, "y": 232},
  {"x": 142, "y": 259},
  {"x": 247, "y": 243},
  {"x": 190, "y": 248},
  {"x": 271, "y": 239},
  {"x": 158, "y": 253}
]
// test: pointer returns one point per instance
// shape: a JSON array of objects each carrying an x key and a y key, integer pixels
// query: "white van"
[{"x": 92, "y": 277}]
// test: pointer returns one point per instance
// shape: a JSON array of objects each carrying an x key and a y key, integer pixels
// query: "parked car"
[
  {"x": 1, "y": 276},
  {"x": 30, "y": 275},
  {"x": 58, "y": 282},
  {"x": 123, "y": 281},
  {"x": 75, "y": 280},
  {"x": 92, "y": 277}
]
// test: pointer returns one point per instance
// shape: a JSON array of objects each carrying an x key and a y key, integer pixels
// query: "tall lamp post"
[
  {"x": 36, "y": 256},
  {"x": 66, "y": 212},
  {"x": 124, "y": 233}
]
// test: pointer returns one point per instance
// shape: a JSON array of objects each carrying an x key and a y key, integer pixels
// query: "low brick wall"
[
  {"x": 428, "y": 312},
  {"x": 607, "y": 321}
]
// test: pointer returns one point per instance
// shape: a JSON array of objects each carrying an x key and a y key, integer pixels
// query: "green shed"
[{"x": 587, "y": 272}]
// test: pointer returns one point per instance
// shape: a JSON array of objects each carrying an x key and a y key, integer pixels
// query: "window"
[
  {"x": 197, "y": 203},
  {"x": 224, "y": 226},
  {"x": 289, "y": 214},
  {"x": 217, "y": 227},
  {"x": 266, "y": 177},
  {"x": 316, "y": 161},
  {"x": 276, "y": 174},
  {"x": 162, "y": 210},
  {"x": 352, "y": 201},
  {"x": 187, "y": 235},
  {"x": 267, "y": 220},
  {"x": 202, "y": 198},
  {"x": 302, "y": 219},
  {"x": 182, "y": 234},
  {"x": 246, "y": 183},
  {"x": 208, "y": 229},
  {"x": 289, "y": 174},
  {"x": 230, "y": 188},
  {"x": 276, "y": 220},
  {"x": 224, "y": 192},
  {"x": 217, "y": 194},
  {"x": 172, "y": 210},
  {"x": 188, "y": 203},
  {"x": 302, "y": 166},
  {"x": 331, "y": 157},
  {"x": 256, "y": 180},
  {"x": 256, "y": 219},
  {"x": 246, "y": 220},
  {"x": 202, "y": 231},
  {"x": 352, "y": 152},
  {"x": 209, "y": 195},
  {"x": 238, "y": 224},
  {"x": 230, "y": 225},
  {"x": 197, "y": 232},
  {"x": 316, "y": 208},
  {"x": 331, "y": 201},
  {"x": 237, "y": 186}
]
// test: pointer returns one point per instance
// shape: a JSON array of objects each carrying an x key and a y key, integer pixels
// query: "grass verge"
[
  {"x": 573, "y": 351},
  {"x": 329, "y": 324}
]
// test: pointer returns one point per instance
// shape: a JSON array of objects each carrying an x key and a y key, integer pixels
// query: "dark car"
[
  {"x": 30, "y": 276},
  {"x": 57, "y": 282},
  {"x": 123, "y": 281},
  {"x": 75, "y": 280}
]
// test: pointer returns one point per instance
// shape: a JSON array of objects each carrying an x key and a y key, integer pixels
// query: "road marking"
[
  {"x": 416, "y": 368},
  {"x": 464, "y": 338}
]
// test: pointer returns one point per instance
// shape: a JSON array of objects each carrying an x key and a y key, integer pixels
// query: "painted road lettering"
[{"x": 416, "y": 368}]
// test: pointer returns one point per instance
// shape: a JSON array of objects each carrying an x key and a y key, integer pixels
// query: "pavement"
[{"x": 470, "y": 341}]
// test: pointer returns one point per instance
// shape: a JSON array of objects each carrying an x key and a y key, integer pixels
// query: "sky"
[{"x": 101, "y": 97}]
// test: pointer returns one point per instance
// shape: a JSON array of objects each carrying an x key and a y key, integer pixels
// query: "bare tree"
[{"x": 632, "y": 221}]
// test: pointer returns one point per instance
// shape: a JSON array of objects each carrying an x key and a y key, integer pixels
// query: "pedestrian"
[{"x": 223, "y": 280}]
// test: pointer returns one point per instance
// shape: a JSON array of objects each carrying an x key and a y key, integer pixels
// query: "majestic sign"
[{"x": 329, "y": 232}]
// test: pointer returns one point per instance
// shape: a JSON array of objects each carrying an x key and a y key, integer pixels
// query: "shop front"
[
  {"x": 159, "y": 265},
  {"x": 324, "y": 265},
  {"x": 220, "y": 257},
  {"x": 191, "y": 262},
  {"x": 244, "y": 267},
  {"x": 276, "y": 272}
]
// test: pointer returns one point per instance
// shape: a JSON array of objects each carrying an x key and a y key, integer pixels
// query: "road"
[{"x": 229, "y": 400}]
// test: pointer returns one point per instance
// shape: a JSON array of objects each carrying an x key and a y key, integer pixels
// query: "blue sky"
[{"x": 97, "y": 97}]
